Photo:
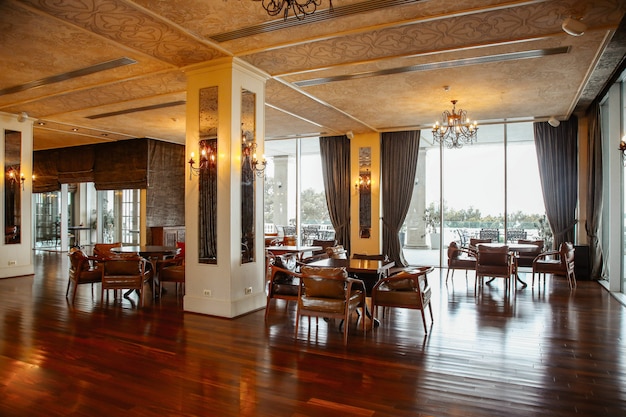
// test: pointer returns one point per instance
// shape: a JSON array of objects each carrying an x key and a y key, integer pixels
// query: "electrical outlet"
[
  {"x": 248, "y": 290},
  {"x": 12, "y": 263},
  {"x": 208, "y": 293}
]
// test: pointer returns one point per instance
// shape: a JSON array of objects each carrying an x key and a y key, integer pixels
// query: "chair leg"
[
  {"x": 297, "y": 323},
  {"x": 267, "y": 307},
  {"x": 424, "y": 320},
  {"x": 346, "y": 324},
  {"x": 74, "y": 292},
  {"x": 67, "y": 291}
]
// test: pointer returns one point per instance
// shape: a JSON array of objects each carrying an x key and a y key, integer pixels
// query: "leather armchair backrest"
[
  {"x": 567, "y": 253},
  {"x": 78, "y": 260},
  {"x": 453, "y": 250},
  {"x": 324, "y": 282},
  {"x": 103, "y": 250},
  {"x": 123, "y": 266},
  {"x": 493, "y": 256}
]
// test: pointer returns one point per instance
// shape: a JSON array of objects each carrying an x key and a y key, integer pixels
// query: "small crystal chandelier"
[
  {"x": 455, "y": 129},
  {"x": 300, "y": 8}
]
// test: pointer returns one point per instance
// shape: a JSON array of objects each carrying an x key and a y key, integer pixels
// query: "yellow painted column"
[{"x": 228, "y": 287}]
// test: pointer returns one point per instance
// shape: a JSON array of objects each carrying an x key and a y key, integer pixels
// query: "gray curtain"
[
  {"x": 594, "y": 193},
  {"x": 399, "y": 152},
  {"x": 335, "y": 154},
  {"x": 207, "y": 227},
  {"x": 557, "y": 154}
]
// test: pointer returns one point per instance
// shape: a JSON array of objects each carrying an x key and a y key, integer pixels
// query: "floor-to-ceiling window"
[
  {"x": 295, "y": 203},
  {"x": 613, "y": 122},
  {"x": 92, "y": 216},
  {"x": 487, "y": 189}
]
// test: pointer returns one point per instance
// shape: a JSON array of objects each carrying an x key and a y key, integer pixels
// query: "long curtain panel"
[
  {"x": 399, "y": 153},
  {"x": 557, "y": 154},
  {"x": 594, "y": 192},
  {"x": 335, "y": 155},
  {"x": 207, "y": 222}
]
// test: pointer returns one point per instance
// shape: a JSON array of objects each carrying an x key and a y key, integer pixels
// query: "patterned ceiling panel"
[
  {"x": 485, "y": 28},
  {"x": 98, "y": 98},
  {"x": 362, "y": 22},
  {"x": 290, "y": 100},
  {"x": 131, "y": 26},
  {"x": 424, "y": 42},
  {"x": 167, "y": 123}
]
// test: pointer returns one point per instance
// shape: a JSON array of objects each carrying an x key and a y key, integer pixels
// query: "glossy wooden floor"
[{"x": 545, "y": 352}]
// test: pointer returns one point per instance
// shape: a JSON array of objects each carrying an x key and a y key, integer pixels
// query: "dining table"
[{"x": 300, "y": 250}]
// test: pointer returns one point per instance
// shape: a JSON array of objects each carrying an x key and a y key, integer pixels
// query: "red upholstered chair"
[
  {"x": 83, "y": 270},
  {"x": 459, "y": 258},
  {"x": 559, "y": 262}
]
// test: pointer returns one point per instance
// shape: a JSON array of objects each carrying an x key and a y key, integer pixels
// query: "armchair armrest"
[
  {"x": 402, "y": 280},
  {"x": 468, "y": 252},
  {"x": 544, "y": 255}
]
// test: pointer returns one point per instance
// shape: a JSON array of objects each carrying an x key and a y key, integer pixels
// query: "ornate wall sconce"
[
  {"x": 14, "y": 176},
  {"x": 622, "y": 148},
  {"x": 248, "y": 150},
  {"x": 207, "y": 159},
  {"x": 364, "y": 182}
]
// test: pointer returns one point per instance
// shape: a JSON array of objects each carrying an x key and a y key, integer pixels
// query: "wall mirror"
[
  {"x": 248, "y": 156},
  {"x": 207, "y": 176},
  {"x": 365, "y": 193},
  {"x": 13, "y": 183}
]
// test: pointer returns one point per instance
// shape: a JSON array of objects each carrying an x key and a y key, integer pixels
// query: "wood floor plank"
[{"x": 543, "y": 351}]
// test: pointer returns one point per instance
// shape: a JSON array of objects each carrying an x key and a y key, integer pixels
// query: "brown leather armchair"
[
  {"x": 496, "y": 262},
  {"x": 559, "y": 262},
  {"x": 526, "y": 258},
  {"x": 459, "y": 258},
  {"x": 83, "y": 270},
  {"x": 125, "y": 272},
  {"x": 329, "y": 293},
  {"x": 406, "y": 289},
  {"x": 283, "y": 282},
  {"x": 103, "y": 250},
  {"x": 473, "y": 244}
]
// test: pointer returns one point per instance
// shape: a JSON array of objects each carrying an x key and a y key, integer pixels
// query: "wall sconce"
[
  {"x": 207, "y": 158},
  {"x": 14, "y": 176},
  {"x": 622, "y": 147},
  {"x": 364, "y": 182},
  {"x": 248, "y": 150}
]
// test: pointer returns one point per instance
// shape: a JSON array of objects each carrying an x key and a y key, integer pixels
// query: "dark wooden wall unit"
[{"x": 157, "y": 166}]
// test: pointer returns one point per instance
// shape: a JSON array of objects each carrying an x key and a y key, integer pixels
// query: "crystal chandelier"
[
  {"x": 455, "y": 129},
  {"x": 300, "y": 8}
]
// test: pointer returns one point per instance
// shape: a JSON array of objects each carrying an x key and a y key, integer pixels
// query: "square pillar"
[{"x": 226, "y": 284}]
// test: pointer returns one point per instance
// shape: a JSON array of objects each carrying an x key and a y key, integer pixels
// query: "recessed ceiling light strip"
[
  {"x": 104, "y": 66},
  {"x": 138, "y": 109}
]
